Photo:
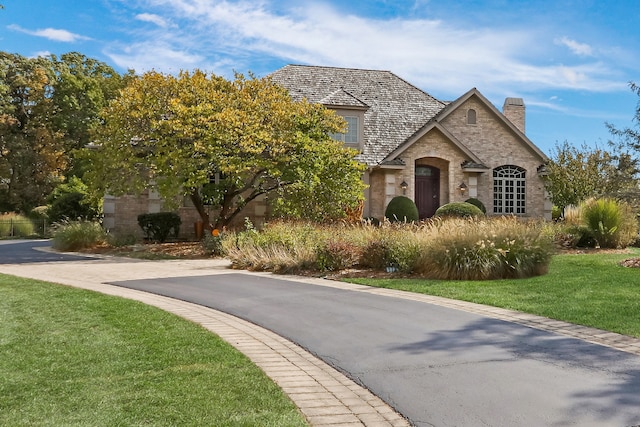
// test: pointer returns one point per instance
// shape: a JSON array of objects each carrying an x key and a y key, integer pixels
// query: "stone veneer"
[
  {"x": 490, "y": 139},
  {"x": 121, "y": 214}
]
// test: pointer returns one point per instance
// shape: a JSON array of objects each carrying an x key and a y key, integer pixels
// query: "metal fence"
[{"x": 24, "y": 228}]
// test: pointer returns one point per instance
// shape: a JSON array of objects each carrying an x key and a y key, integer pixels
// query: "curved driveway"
[{"x": 437, "y": 366}]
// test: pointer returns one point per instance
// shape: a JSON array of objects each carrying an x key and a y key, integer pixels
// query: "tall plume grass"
[{"x": 474, "y": 249}]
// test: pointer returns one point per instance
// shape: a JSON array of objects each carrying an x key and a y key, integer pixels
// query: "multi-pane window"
[
  {"x": 351, "y": 136},
  {"x": 509, "y": 193}
]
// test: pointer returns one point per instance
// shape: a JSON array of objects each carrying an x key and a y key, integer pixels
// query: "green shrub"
[
  {"x": 71, "y": 201},
  {"x": 73, "y": 236},
  {"x": 376, "y": 255},
  {"x": 458, "y": 210},
  {"x": 39, "y": 213},
  {"x": 14, "y": 225},
  {"x": 335, "y": 255},
  {"x": 405, "y": 251},
  {"x": 401, "y": 209},
  {"x": 160, "y": 225},
  {"x": 212, "y": 243},
  {"x": 477, "y": 203}
]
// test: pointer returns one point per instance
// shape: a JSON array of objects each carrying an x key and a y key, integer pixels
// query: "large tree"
[
  {"x": 47, "y": 106},
  {"x": 576, "y": 174},
  {"x": 224, "y": 143},
  {"x": 30, "y": 147}
]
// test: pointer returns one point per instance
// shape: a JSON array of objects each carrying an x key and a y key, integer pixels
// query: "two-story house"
[{"x": 432, "y": 151}]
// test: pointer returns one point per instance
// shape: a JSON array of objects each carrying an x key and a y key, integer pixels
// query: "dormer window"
[
  {"x": 471, "y": 116},
  {"x": 351, "y": 135}
]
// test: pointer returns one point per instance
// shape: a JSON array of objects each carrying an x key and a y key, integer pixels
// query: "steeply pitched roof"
[
  {"x": 513, "y": 101},
  {"x": 397, "y": 109}
]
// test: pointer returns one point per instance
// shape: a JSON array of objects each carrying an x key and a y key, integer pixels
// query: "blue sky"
[{"x": 571, "y": 60}]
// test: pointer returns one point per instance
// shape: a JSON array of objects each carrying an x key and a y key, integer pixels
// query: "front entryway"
[{"x": 427, "y": 190}]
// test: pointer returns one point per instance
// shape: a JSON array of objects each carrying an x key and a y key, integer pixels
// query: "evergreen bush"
[
  {"x": 477, "y": 203},
  {"x": 458, "y": 210},
  {"x": 160, "y": 225},
  {"x": 401, "y": 209}
]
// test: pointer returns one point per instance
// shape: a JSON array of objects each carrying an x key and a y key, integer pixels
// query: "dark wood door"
[{"x": 427, "y": 190}]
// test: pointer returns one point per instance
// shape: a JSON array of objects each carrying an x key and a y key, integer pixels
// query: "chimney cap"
[{"x": 516, "y": 102}]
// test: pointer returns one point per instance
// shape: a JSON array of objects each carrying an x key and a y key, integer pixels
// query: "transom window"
[
  {"x": 351, "y": 136},
  {"x": 509, "y": 193}
]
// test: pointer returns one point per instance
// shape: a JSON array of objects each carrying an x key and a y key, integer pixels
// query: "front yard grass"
[
  {"x": 78, "y": 358},
  {"x": 585, "y": 289}
]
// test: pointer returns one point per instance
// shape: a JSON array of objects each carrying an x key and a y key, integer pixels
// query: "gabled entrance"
[{"x": 427, "y": 190}]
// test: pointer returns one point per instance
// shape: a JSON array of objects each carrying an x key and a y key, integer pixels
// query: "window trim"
[{"x": 509, "y": 190}]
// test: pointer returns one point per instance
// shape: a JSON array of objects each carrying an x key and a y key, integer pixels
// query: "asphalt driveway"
[{"x": 437, "y": 366}]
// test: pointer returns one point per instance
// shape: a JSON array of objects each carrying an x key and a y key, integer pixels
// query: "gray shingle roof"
[
  {"x": 397, "y": 109},
  {"x": 342, "y": 98}
]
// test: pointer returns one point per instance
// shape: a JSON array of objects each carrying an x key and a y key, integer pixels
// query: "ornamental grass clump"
[
  {"x": 279, "y": 247},
  {"x": 76, "y": 235},
  {"x": 14, "y": 225},
  {"x": 609, "y": 222},
  {"x": 393, "y": 246},
  {"x": 471, "y": 249}
]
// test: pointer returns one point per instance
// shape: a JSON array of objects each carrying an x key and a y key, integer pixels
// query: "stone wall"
[{"x": 121, "y": 214}]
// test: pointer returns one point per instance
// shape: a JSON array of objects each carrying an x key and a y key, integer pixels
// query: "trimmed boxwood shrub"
[
  {"x": 158, "y": 226},
  {"x": 477, "y": 203},
  {"x": 459, "y": 210},
  {"x": 401, "y": 209}
]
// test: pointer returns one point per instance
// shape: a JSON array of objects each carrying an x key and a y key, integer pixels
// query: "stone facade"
[
  {"x": 121, "y": 214},
  {"x": 492, "y": 139}
]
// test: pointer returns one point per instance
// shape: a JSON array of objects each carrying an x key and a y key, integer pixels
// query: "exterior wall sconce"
[
  {"x": 404, "y": 186},
  {"x": 462, "y": 188}
]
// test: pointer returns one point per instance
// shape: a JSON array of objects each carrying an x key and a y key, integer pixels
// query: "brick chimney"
[{"x": 513, "y": 109}]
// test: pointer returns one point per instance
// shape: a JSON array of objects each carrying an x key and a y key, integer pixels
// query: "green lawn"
[
  {"x": 585, "y": 289},
  {"x": 77, "y": 358}
]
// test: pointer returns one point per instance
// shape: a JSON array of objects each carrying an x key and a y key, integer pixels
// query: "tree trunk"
[{"x": 199, "y": 205}]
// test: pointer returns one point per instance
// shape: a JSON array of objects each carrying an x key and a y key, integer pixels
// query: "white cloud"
[
  {"x": 153, "y": 18},
  {"x": 580, "y": 49},
  {"x": 429, "y": 53},
  {"x": 51, "y": 34},
  {"x": 42, "y": 53},
  {"x": 146, "y": 56}
]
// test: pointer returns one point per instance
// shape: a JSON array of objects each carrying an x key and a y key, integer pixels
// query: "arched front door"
[{"x": 427, "y": 190}]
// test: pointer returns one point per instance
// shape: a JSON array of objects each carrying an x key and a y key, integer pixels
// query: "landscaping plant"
[
  {"x": 76, "y": 235},
  {"x": 159, "y": 226},
  {"x": 401, "y": 209},
  {"x": 14, "y": 225},
  {"x": 451, "y": 248},
  {"x": 471, "y": 249},
  {"x": 459, "y": 209}
]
